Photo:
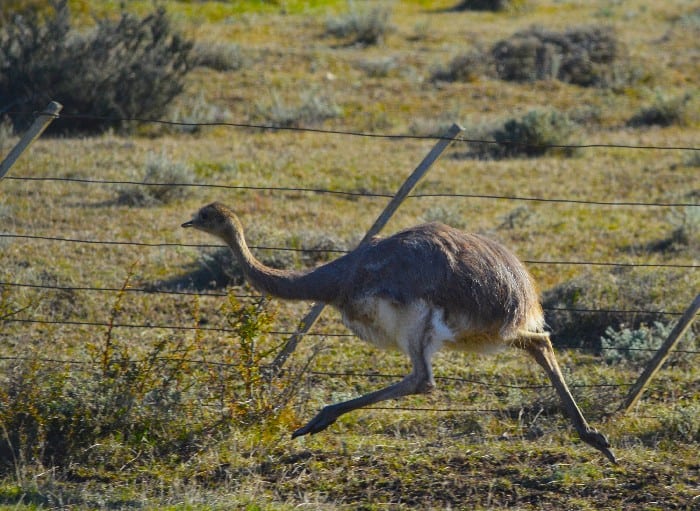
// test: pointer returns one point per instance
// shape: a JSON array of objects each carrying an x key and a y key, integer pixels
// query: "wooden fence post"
[
  {"x": 35, "y": 130},
  {"x": 661, "y": 355},
  {"x": 308, "y": 321}
]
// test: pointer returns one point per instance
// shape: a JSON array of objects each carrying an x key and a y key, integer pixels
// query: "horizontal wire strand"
[
  {"x": 292, "y": 189},
  {"x": 102, "y": 324},
  {"x": 290, "y": 249},
  {"x": 368, "y": 376},
  {"x": 256, "y": 296},
  {"x": 267, "y": 127}
]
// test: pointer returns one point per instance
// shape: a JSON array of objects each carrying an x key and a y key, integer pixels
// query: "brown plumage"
[{"x": 418, "y": 290}]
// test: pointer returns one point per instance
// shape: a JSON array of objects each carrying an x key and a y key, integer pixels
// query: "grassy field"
[{"x": 103, "y": 406}]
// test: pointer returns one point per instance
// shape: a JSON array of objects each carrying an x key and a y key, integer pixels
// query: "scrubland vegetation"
[{"x": 134, "y": 375}]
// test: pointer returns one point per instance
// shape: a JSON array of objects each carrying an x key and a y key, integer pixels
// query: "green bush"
[
  {"x": 128, "y": 68},
  {"x": 157, "y": 395},
  {"x": 682, "y": 422}
]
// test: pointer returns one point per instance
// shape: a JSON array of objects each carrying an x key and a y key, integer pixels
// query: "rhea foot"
[{"x": 323, "y": 419}]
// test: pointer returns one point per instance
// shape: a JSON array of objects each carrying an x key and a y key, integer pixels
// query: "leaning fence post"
[
  {"x": 35, "y": 130},
  {"x": 661, "y": 355},
  {"x": 308, "y": 321}
]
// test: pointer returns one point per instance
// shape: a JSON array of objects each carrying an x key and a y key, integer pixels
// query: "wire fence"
[
  {"x": 193, "y": 328},
  {"x": 355, "y": 194},
  {"x": 324, "y": 250},
  {"x": 215, "y": 294},
  {"x": 342, "y": 193},
  {"x": 351, "y": 133}
]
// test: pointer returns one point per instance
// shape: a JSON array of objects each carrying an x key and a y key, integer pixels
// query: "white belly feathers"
[{"x": 389, "y": 325}]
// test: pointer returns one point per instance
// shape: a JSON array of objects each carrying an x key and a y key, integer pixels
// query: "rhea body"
[{"x": 421, "y": 289}]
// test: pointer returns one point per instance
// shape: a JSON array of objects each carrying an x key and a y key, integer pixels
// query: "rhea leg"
[
  {"x": 539, "y": 346},
  {"x": 420, "y": 381}
]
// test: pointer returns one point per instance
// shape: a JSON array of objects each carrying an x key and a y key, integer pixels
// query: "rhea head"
[{"x": 213, "y": 219}]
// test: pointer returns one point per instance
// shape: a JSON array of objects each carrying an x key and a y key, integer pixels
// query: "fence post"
[
  {"x": 35, "y": 130},
  {"x": 661, "y": 355},
  {"x": 308, "y": 321}
]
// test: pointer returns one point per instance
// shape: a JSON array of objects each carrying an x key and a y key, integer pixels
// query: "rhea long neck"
[{"x": 319, "y": 284}]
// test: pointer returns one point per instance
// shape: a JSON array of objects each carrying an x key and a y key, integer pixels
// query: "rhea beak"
[{"x": 188, "y": 224}]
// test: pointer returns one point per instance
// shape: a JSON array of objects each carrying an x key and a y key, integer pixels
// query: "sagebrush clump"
[
  {"x": 129, "y": 68},
  {"x": 163, "y": 182},
  {"x": 218, "y": 56},
  {"x": 466, "y": 67},
  {"x": 580, "y": 310},
  {"x": 312, "y": 109},
  {"x": 685, "y": 232},
  {"x": 586, "y": 56},
  {"x": 361, "y": 26},
  {"x": 538, "y": 132},
  {"x": 581, "y": 55},
  {"x": 665, "y": 111},
  {"x": 633, "y": 344}
]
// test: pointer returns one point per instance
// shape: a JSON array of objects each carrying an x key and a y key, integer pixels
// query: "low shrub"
[
  {"x": 582, "y": 56},
  {"x": 218, "y": 56},
  {"x": 685, "y": 232},
  {"x": 681, "y": 422},
  {"x": 162, "y": 183},
  {"x": 361, "y": 26},
  {"x": 312, "y": 109},
  {"x": 490, "y": 5},
  {"x": 193, "y": 113},
  {"x": 128, "y": 68},
  {"x": 579, "y": 311},
  {"x": 633, "y": 344},
  {"x": 586, "y": 56},
  {"x": 666, "y": 111},
  {"x": 466, "y": 67},
  {"x": 531, "y": 135},
  {"x": 378, "y": 68}
]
